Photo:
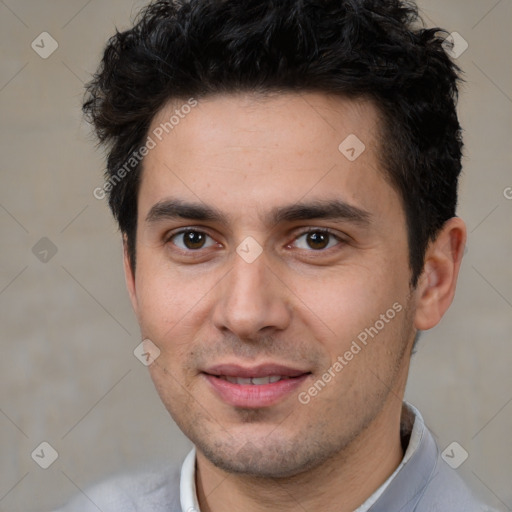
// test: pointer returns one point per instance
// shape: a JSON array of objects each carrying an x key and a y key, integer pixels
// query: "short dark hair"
[{"x": 373, "y": 49}]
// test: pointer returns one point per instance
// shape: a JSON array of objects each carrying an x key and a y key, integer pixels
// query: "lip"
[
  {"x": 251, "y": 396},
  {"x": 261, "y": 370}
]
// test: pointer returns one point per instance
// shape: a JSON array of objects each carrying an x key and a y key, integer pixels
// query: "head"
[{"x": 288, "y": 197}]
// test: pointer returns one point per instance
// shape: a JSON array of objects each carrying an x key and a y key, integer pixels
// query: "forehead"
[
  {"x": 302, "y": 123},
  {"x": 245, "y": 152}
]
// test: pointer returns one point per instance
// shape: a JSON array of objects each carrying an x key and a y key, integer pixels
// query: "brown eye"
[
  {"x": 316, "y": 240},
  {"x": 191, "y": 240}
]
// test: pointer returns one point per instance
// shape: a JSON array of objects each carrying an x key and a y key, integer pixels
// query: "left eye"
[
  {"x": 316, "y": 240},
  {"x": 191, "y": 240}
]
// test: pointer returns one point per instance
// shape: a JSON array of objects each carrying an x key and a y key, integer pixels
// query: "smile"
[
  {"x": 256, "y": 387},
  {"x": 254, "y": 381}
]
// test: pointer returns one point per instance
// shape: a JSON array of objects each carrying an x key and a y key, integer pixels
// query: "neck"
[{"x": 341, "y": 484}]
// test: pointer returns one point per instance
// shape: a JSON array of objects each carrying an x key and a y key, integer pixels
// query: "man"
[{"x": 284, "y": 175}]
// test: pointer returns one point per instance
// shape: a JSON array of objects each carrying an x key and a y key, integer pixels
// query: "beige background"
[{"x": 69, "y": 376}]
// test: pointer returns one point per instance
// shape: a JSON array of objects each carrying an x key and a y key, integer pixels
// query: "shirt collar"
[
  {"x": 410, "y": 416},
  {"x": 188, "y": 494}
]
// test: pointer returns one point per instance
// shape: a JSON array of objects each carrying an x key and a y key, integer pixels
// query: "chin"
[{"x": 265, "y": 458}]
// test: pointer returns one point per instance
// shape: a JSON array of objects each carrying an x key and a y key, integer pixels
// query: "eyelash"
[{"x": 301, "y": 234}]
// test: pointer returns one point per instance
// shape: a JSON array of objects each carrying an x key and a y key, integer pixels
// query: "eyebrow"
[{"x": 333, "y": 209}]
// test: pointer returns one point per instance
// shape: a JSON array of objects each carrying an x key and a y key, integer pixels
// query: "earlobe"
[
  {"x": 129, "y": 276},
  {"x": 436, "y": 287}
]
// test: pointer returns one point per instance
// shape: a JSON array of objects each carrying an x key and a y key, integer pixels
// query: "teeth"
[
  {"x": 238, "y": 380},
  {"x": 261, "y": 380},
  {"x": 257, "y": 381}
]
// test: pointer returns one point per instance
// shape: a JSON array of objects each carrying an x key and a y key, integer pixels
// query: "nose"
[{"x": 252, "y": 300}]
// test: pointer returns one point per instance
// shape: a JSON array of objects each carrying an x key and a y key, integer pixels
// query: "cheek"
[
  {"x": 171, "y": 307},
  {"x": 347, "y": 300},
  {"x": 161, "y": 301}
]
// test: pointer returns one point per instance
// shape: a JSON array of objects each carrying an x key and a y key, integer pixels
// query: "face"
[{"x": 272, "y": 274}]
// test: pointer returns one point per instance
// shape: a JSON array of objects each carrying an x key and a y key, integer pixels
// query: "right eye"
[{"x": 190, "y": 240}]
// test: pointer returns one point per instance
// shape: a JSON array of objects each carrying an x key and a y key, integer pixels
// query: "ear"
[
  {"x": 436, "y": 286},
  {"x": 129, "y": 277}
]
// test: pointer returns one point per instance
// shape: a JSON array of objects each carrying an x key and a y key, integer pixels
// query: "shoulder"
[
  {"x": 425, "y": 482},
  {"x": 155, "y": 490},
  {"x": 446, "y": 491}
]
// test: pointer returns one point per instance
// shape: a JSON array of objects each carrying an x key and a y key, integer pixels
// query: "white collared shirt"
[
  {"x": 423, "y": 482},
  {"x": 188, "y": 494}
]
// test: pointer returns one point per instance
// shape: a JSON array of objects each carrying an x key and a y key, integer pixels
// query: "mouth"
[
  {"x": 254, "y": 381},
  {"x": 255, "y": 387}
]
